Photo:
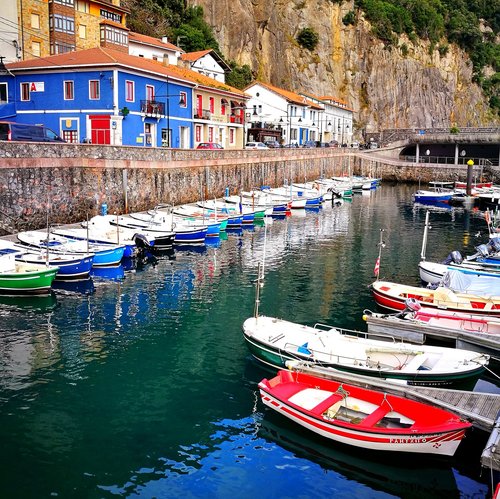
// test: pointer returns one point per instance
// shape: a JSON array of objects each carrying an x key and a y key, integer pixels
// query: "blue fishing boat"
[
  {"x": 70, "y": 266},
  {"x": 104, "y": 255},
  {"x": 436, "y": 196},
  {"x": 183, "y": 234}
]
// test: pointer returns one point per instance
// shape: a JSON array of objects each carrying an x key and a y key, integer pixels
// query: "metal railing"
[
  {"x": 152, "y": 107},
  {"x": 450, "y": 160}
]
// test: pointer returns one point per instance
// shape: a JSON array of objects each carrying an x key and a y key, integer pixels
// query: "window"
[
  {"x": 94, "y": 90},
  {"x": 70, "y": 3},
  {"x": 150, "y": 92},
  {"x": 198, "y": 133},
  {"x": 70, "y": 136},
  {"x": 212, "y": 105},
  {"x": 129, "y": 91},
  {"x": 35, "y": 21},
  {"x": 3, "y": 93},
  {"x": 69, "y": 90},
  {"x": 105, "y": 14},
  {"x": 82, "y": 6},
  {"x": 183, "y": 99},
  {"x": 82, "y": 31},
  {"x": 231, "y": 135},
  {"x": 60, "y": 48},
  {"x": 114, "y": 35},
  {"x": 223, "y": 108},
  {"x": 36, "y": 48},
  {"x": 210, "y": 134},
  {"x": 62, "y": 24},
  {"x": 25, "y": 91}
]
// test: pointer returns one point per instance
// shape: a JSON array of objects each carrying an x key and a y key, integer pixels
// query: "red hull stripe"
[{"x": 362, "y": 435}]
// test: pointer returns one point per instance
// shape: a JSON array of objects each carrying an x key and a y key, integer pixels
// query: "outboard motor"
[
  {"x": 453, "y": 257},
  {"x": 482, "y": 251},
  {"x": 494, "y": 244},
  {"x": 141, "y": 241},
  {"x": 412, "y": 305}
]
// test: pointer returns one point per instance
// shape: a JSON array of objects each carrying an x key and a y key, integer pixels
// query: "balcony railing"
[
  {"x": 235, "y": 119},
  {"x": 152, "y": 107},
  {"x": 202, "y": 114}
]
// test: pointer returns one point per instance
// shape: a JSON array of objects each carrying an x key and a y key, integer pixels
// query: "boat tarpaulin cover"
[{"x": 485, "y": 286}]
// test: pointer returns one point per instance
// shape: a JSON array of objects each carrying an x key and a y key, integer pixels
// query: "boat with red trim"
[{"x": 362, "y": 417}]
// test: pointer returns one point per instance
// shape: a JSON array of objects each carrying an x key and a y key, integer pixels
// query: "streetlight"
[
  {"x": 344, "y": 127},
  {"x": 182, "y": 102}
]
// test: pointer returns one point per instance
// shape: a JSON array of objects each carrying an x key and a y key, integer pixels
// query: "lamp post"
[{"x": 182, "y": 102}]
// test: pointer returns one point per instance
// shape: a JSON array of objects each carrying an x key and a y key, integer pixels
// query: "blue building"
[{"x": 105, "y": 96}]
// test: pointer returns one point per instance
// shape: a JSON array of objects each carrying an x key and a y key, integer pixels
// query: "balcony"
[
  {"x": 235, "y": 119},
  {"x": 152, "y": 108},
  {"x": 202, "y": 114}
]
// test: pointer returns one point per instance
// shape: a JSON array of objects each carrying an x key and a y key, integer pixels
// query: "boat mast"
[
  {"x": 259, "y": 283},
  {"x": 424, "y": 239}
]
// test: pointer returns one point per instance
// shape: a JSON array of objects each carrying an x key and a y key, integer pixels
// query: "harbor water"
[{"x": 140, "y": 384}]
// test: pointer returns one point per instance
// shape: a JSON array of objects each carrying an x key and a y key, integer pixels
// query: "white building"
[
  {"x": 272, "y": 108},
  {"x": 154, "y": 48}
]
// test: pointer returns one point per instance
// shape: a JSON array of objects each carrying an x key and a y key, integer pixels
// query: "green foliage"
[
  {"x": 443, "y": 49},
  {"x": 308, "y": 38},
  {"x": 433, "y": 20},
  {"x": 240, "y": 76},
  {"x": 404, "y": 49},
  {"x": 194, "y": 33},
  {"x": 349, "y": 18},
  {"x": 454, "y": 129}
]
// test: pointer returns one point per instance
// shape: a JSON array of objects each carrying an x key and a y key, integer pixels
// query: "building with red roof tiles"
[
  {"x": 154, "y": 48},
  {"x": 294, "y": 118},
  {"x": 106, "y": 96},
  {"x": 208, "y": 63}
]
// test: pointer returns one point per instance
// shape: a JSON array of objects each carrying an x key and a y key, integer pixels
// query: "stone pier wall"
[{"x": 70, "y": 182}]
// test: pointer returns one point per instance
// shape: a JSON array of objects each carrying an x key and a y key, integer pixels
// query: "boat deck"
[{"x": 481, "y": 409}]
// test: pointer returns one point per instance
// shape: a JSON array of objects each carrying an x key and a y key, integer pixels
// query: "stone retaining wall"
[{"x": 72, "y": 181}]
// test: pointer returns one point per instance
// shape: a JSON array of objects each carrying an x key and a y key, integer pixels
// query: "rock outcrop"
[{"x": 386, "y": 87}]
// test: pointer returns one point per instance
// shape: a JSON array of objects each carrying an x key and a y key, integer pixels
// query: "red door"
[{"x": 100, "y": 125}]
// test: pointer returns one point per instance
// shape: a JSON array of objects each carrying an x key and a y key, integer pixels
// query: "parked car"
[
  {"x": 333, "y": 143},
  {"x": 272, "y": 144},
  {"x": 355, "y": 144},
  {"x": 373, "y": 145},
  {"x": 256, "y": 145},
  {"x": 27, "y": 133},
  {"x": 309, "y": 143},
  {"x": 209, "y": 145}
]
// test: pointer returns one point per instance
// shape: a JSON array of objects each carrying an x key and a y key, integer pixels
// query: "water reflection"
[
  {"x": 392, "y": 474},
  {"x": 153, "y": 363},
  {"x": 41, "y": 303}
]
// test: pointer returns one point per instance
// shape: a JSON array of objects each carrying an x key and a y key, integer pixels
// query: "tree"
[{"x": 308, "y": 38}]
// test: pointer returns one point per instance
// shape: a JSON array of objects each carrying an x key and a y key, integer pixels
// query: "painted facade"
[
  {"x": 274, "y": 113},
  {"x": 104, "y": 96}
]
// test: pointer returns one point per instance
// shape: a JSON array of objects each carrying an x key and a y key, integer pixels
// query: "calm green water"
[{"x": 145, "y": 387}]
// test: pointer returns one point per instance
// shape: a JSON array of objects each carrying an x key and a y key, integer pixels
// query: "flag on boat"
[{"x": 376, "y": 270}]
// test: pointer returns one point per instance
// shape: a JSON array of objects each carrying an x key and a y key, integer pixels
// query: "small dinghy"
[
  {"x": 361, "y": 417},
  {"x": 275, "y": 341}
]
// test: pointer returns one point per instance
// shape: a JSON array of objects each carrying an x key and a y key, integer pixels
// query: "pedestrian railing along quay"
[{"x": 448, "y": 160}]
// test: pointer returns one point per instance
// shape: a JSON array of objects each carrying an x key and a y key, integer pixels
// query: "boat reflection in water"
[
  {"x": 41, "y": 303},
  {"x": 412, "y": 476},
  {"x": 110, "y": 273},
  {"x": 84, "y": 287}
]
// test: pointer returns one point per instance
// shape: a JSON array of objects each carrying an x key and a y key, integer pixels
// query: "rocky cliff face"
[{"x": 385, "y": 88}]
